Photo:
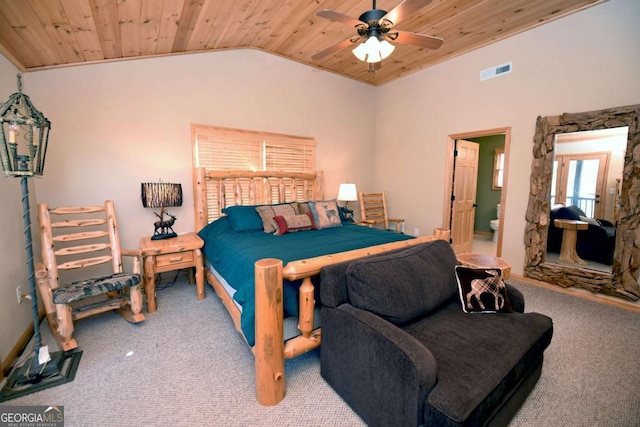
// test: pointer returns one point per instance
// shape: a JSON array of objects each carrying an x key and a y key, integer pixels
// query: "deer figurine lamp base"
[{"x": 163, "y": 228}]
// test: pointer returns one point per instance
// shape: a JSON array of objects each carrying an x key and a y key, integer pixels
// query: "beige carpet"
[{"x": 186, "y": 366}]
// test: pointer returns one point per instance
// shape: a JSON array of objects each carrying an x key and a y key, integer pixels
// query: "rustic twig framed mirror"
[{"x": 623, "y": 281}]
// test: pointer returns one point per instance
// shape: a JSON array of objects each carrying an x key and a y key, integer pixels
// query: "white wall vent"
[{"x": 492, "y": 72}]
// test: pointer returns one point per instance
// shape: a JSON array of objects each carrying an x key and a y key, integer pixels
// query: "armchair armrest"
[
  {"x": 136, "y": 254},
  {"x": 131, "y": 252},
  {"x": 370, "y": 362},
  {"x": 398, "y": 222},
  {"x": 515, "y": 298},
  {"x": 44, "y": 287}
]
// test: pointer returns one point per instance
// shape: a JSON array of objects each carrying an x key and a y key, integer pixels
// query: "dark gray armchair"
[{"x": 397, "y": 347}]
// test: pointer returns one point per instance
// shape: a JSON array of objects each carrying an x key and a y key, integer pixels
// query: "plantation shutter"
[{"x": 218, "y": 148}]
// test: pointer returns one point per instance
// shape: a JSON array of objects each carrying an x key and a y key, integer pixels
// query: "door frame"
[{"x": 448, "y": 205}]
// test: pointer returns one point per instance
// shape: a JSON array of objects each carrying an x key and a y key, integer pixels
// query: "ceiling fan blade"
[
  {"x": 332, "y": 15},
  {"x": 415, "y": 39},
  {"x": 374, "y": 66},
  {"x": 335, "y": 48},
  {"x": 404, "y": 9}
]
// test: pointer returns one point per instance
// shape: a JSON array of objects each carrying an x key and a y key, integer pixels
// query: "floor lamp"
[{"x": 23, "y": 156}]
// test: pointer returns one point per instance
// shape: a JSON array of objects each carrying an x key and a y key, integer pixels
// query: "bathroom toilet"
[{"x": 495, "y": 224}]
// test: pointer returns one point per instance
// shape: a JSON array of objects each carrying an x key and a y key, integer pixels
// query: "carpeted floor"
[{"x": 186, "y": 366}]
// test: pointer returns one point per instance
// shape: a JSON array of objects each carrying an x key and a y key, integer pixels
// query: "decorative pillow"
[
  {"x": 304, "y": 207},
  {"x": 325, "y": 214},
  {"x": 292, "y": 223},
  {"x": 482, "y": 290},
  {"x": 243, "y": 218},
  {"x": 268, "y": 212}
]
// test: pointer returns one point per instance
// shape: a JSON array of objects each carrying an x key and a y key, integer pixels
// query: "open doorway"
[{"x": 492, "y": 162}]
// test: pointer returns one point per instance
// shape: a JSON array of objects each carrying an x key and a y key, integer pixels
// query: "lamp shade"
[
  {"x": 24, "y": 135},
  {"x": 160, "y": 194},
  {"x": 347, "y": 192}
]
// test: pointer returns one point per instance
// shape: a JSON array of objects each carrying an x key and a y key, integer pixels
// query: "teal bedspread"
[{"x": 233, "y": 254}]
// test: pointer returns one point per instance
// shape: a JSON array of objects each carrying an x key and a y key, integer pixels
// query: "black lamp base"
[
  {"x": 163, "y": 236},
  {"x": 32, "y": 372},
  {"x": 32, "y": 376}
]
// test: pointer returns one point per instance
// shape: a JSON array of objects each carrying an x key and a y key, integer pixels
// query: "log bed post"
[
  {"x": 199, "y": 198},
  {"x": 268, "y": 348}
]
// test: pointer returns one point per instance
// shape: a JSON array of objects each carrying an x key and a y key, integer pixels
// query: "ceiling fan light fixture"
[
  {"x": 386, "y": 49},
  {"x": 373, "y": 50}
]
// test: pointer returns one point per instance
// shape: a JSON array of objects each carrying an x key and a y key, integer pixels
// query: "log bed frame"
[{"x": 212, "y": 190}]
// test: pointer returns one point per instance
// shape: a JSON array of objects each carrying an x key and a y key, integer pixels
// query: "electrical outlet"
[
  {"x": 19, "y": 294},
  {"x": 416, "y": 231}
]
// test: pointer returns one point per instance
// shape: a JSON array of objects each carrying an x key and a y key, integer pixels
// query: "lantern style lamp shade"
[
  {"x": 161, "y": 195},
  {"x": 24, "y": 136}
]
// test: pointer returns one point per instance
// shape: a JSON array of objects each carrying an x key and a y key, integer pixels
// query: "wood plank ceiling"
[{"x": 41, "y": 34}]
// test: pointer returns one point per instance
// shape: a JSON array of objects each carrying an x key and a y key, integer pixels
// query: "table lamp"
[
  {"x": 347, "y": 193},
  {"x": 161, "y": 195}
]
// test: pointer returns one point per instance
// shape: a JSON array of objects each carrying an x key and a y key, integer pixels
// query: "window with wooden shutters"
[{"x": 219, "y": 148}]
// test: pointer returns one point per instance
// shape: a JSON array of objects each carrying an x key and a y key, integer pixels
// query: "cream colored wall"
[
  {"x": 119, "y": 124},
  {"x": 586, "y": 61}
]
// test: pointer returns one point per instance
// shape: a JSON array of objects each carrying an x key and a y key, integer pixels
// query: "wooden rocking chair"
[
  {"x": 112, "y": 289},
  {"x": 373, "y": 210}
]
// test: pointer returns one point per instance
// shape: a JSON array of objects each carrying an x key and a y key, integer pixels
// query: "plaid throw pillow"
[{"x": 482, "y": 290}]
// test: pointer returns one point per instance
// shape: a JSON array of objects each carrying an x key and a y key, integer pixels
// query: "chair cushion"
[
  {"x": 402, "y": 286},
  {"x": 83, "y": 289},
  {"x": 481, "y": 359}
]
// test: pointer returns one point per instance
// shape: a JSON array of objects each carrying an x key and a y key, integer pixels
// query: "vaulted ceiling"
[{"x": 41, "y": 34}]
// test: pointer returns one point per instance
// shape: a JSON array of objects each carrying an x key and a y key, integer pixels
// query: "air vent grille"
[{"x": 492, "y": 72}]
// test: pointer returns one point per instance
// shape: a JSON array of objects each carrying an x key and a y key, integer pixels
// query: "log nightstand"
[{"x": 168, "y": 255}]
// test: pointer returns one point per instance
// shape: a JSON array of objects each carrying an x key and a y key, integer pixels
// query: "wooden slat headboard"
[{"x": 215, "y": 190}]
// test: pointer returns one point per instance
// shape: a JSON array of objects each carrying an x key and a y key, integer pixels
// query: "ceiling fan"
[{"x": 375, "y": 26}]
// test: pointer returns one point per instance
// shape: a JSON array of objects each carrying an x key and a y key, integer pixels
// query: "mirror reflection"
[{"x": 585, "y": 197}]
